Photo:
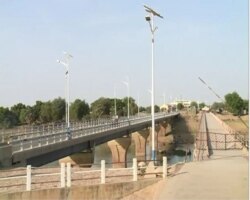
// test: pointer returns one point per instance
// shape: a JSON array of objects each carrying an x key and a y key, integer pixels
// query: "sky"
[{"x": 110, "y": 41}]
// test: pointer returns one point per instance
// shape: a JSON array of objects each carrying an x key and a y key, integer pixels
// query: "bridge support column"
[
  {"x": 5, "y": 156},
  {"x": 140, "y": 139},
  {"x": 119, "y": 149},
  {"x": 85, "y": 159},
  {"x": 163, "y": 140}
]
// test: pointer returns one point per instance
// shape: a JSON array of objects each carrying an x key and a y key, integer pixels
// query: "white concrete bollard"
[
  {"x": 135, "y": 169},
  {"x": 62, "y": 175},
  {"x": 103, "y": 172},
  {"x": 28, "y": 178},
  {"x": 164, "y": 167},
  {"x": 68, "y": 174}
]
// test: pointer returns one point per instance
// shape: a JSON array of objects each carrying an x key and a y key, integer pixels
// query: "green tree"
[
  {"x": 17, "y": 110},
  {"x": 36, "y": 109},
  {"x": 202, "y": 105},
  {"x": 58, "y": 109},
  {"x": 120, "y": 107},
  {"x": 246, "y": 105},
  {"x": 7, "y": 118},
  {"x": 142, "y": 109},
  {"x": 78, "y": 109},
  {"x": 218, "y": 106},
  {"x": 27, "y": 115},
  {"x": 194, "y": 104},
  {"x": 132, "y": 106},
  {"x": 100, "y": 107},
  {"x": 46, "y": 112},
  {"x": 180, "y": 106},
  {"x": 148, "y": 109},
  {"x": 234, "y": 103}
]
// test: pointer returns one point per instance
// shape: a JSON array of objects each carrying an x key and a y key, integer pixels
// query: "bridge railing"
[
  {"x": 201, "y": 151},
  {"x": 34, "y": 140}
]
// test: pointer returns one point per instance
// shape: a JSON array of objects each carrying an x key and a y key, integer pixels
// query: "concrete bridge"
[{"x": 40, "y": 147}]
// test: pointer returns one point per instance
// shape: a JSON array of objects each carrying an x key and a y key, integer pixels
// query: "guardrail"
[
  {"x": 35, "y": 140},
  {"x": 243, "y": 139},
  {"x": 201, "y": 151},
  {"x": 33, "y": 178}
]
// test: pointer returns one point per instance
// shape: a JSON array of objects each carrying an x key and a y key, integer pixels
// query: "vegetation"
[
  {"x": 180, "y": 106},
  {"x": 194, "y": 104},
  {"x": 54, "y": 111},
  {"x": 234, "y": 103},
  {"x": 41, "y": 112},
  {"x": 218, "y": 106},
  {"x": 202, "y": 105}
]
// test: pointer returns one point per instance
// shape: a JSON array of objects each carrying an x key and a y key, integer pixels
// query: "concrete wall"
[
  {"x": 5, "y": 155},
  {"x": 105, "y": 191}
]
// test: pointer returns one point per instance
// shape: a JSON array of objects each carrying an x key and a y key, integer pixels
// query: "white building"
[{"x": 185, "y": 103}]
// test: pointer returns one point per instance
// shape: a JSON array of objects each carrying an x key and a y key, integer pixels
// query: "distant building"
[
  {"x": 185, "y": 103},
  {"x": 164, "y": 107},
  {"x": 205, "y": 108}
]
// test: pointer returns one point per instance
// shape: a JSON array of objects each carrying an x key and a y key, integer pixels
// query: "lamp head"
[{"x": 148, "y": 18}]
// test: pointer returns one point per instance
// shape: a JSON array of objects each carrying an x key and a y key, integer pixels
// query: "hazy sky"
[{"x": 111, "y": 40}]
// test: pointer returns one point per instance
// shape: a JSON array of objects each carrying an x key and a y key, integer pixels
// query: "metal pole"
[
  {"x": 66, "y": 106},
  {"x": 115, "y": 100},
  {"x": 68, "y": 96},
  {"x": 138, "y": 104},
  {"x": 128, "y": 99},
  {"x": 152, "y": 91}
]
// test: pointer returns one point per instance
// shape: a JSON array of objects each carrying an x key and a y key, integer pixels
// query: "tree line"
[
  {"x": 54, "y": 111},
  {"x": 233, "y": 103}
]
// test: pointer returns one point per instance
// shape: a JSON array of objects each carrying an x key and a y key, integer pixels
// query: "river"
[{"x": 102, "y": 152}]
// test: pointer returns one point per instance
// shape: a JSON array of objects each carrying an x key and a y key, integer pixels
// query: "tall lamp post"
[
  {"x": 65, "y": 62},
  {"x": 127, "y": 84},
  {"x": 115, "y": 101},
  {"x": 150, "y": 20}
]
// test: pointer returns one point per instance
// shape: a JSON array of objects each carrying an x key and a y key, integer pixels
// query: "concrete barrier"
[
  {"x": 103, "y": 191},
  {"x": 5, "y": 155}
]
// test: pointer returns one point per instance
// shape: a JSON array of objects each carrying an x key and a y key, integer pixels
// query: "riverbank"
[{"x": 240, "y": 125}]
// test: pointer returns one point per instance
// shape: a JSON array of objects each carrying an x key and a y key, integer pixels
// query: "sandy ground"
[{"x": 235, "y": 123}]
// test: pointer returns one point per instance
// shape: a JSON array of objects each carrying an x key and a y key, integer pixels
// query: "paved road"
[{"x": 223, "y": 176}]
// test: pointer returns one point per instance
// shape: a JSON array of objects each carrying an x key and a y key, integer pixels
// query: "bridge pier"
[
  {"x": 119, "y": 149},
  {"x": 163, "y": 138},
  {"x": 85, "y": 158},
  {"x": 140, "y": 139},
  {"x": 5, "y": 156}
]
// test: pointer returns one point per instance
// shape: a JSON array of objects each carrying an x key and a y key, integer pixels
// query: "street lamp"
[
  {"x": 65, "y": 62},
  {"x": 127, "y": 84},
  {"x": 115, "y": 100},
  {"x": 138, "y": 103},
  {"x": 150, "y": 20}
]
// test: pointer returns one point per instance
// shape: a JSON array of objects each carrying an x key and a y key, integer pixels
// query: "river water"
[{"x": 102, "y": 152}]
